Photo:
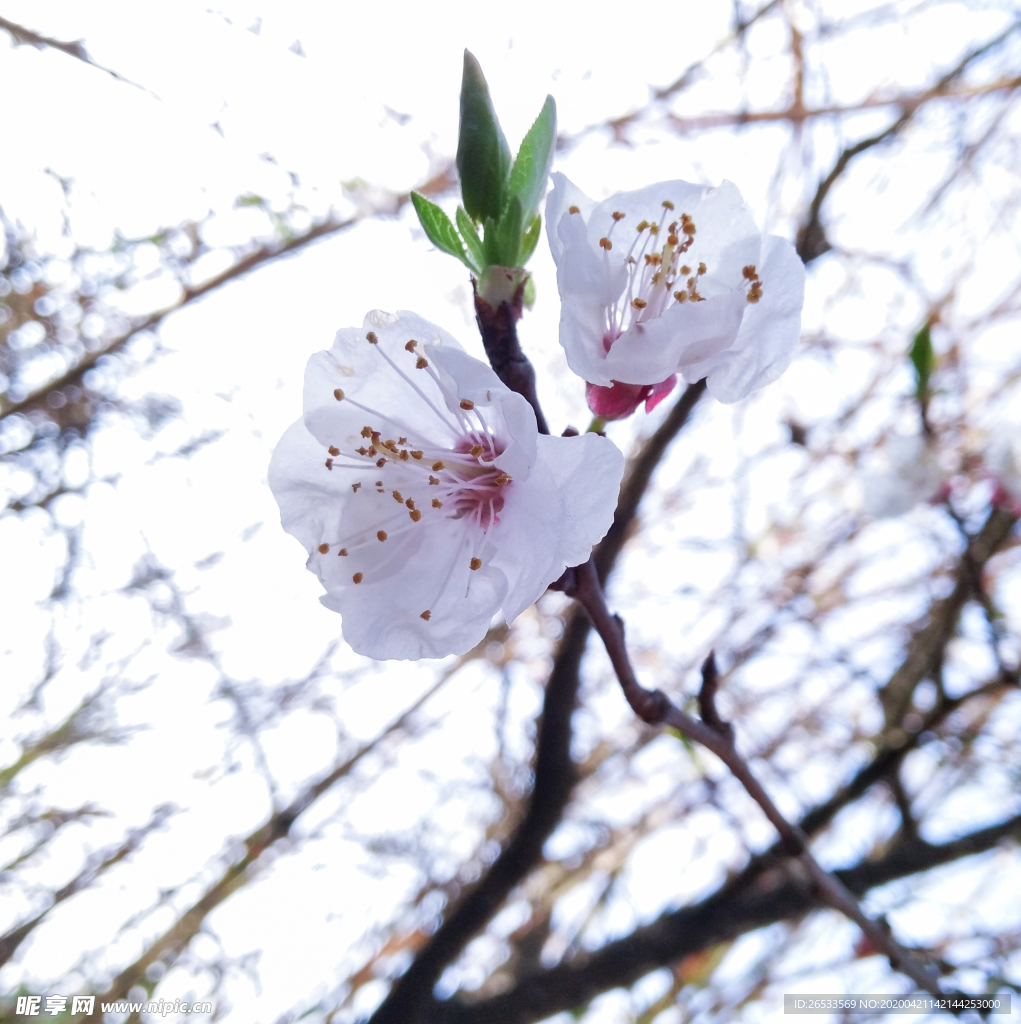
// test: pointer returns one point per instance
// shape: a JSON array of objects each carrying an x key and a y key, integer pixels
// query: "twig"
[{"x": 655, "y": 708}]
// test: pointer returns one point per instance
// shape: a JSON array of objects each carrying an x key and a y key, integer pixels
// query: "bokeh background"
[{"x": 194, "y": 199}]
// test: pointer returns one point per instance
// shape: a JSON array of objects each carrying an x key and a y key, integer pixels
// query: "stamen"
[
  {"x": 342, "y": 552},
  {"x": 436, "y": 502},
  {"x": 338, "y": 394},
  {"x": 417, "y": 454},
  {"x": 437, "y": 466},
  {"x": 467, "y": 404},
  {"x": 410, "y": 503},
  {"x": 427, "y": 615},
  {"x": 410, "y": 346},
  {"x": 475, "y": 563},
  {"x": 329, "y": 463},
  {"x": 606, "y": 244},
  {"x": 366, "y": 431},
  {"x": 398, "y": 498},
  {"x": 371, "y": 338},
  {"x": 667, "y": 205},
  {"x": 354, "y": 487},
  {"x": 333, "y": 451},
  {"x": 415, "y": 515},
  {"x": 433, "y": 479},
  {"x": 618, "y": 215},
  {"x": 380, "y": 463},
  {"x": 357, "y": 578},
  {"x": 323, "y": 548},
  {"x": 421, "y": 363},
  {"x": 476, "y": 450},
  {"x": 573, "y": 209},
  {"x": 381, "y": 535}
]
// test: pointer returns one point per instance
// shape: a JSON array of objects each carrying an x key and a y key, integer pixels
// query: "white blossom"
[
  {"x": 424, "y": 494},
  {"x": 672, "y": 278},
  {"x": 1004, "y": 461},
  {"x": 905, "y": 472}
]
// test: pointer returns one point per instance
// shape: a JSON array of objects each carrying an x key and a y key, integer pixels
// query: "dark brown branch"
[
  {"x": 655, "y": 708},
  {"x": 722, "y": 917},
  {"x": 262, "y": 256},
  {"x": 411, "y": 999},
  {"x": 499, "y": 330}
]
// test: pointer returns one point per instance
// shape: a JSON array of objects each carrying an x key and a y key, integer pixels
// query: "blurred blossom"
[
  {"x": 671, "y": 279},
  {"x": 425, "y": 495},
  {"x": 905, "y": 473},
  {"x": 1004, "y": 460}
]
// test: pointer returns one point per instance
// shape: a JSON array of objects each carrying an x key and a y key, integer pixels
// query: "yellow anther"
[
  {"x": 667, "y": 205},
  {"x": 639, "y": 303},
  {"x": 681, "y": 296},
  {"x": 422, "y": 363},
  {"x": 357, "y": 578},
  {"x": 410, "y": 503},
  {"x": 672, "y": 239},
  {"x": 415, "y": 515},
  {"x": 437, "y": 466},
  {"x": 653, "y": 229},
  {"x": 333, "y": 451},
  {"x": 381, "y": 535},
  {"x": 427, "y": 615},
  {"x": 642, "y": 226},
  {"x": 366, "y": 431},
  {"x": 437, "y": 503},
  {"x": 476, "y": 450},
  {"x": 503, "y": 478},
  {"x": 371, "y": 338},
  {"x": 573, "y": 209},
  {"x": 323, "y": 548},
  {"x": 398, "y": 497},
  {"x": 685, "y": 270},
  {"x": 618, "y": 215},
  {"x": 701, "y": 269},
  {"x": 606, "y": 244},
  {"x": 338, "y": 394},
  {"x": 417, "y": 454},
  {"x": 475, "y": 563},
  {"x": 467, "y": 404},
  {"x": 433, "y": 479},
  {"x": 404, "y": 456}
]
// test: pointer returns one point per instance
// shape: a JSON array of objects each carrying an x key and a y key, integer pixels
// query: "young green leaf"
[
  {"x": 535, "y": 158},
  {"x": 439, "y": 230},
  {"x": 471, "y": 238},
  {"x": 530, "y": 239},
  {"x": 508, "y": 234},
  {"x": 922, "y": 358},
  {"x": 483, "y": 156}
]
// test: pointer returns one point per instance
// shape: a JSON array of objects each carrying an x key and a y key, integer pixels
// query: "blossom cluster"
[{"x": 418, "y": 482}]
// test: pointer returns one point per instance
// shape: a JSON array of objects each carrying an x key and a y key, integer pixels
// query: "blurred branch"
[
  {"x": 722, "y": 917},
  {"x": 26, "y": 37},
  {"x": 410, "y": 998},
  {"x": 262, "y": 256}
]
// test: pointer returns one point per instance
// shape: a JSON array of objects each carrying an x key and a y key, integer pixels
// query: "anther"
[
  {"x": 681, "y": 296},
  {"x": 476, "y": 450},
  {"x": 606, "y": 244},
  {"x": 422, "y": 363},
  {"x": 639, "y": 303},
  {"x": 573, "y": 209},
  {"x": 338, "y": 394},
  {"x": 672, "y": 239},
  {"x": 417, "y": 454},
  {"x": 427, "y": 615},
  {"x": 398, "y": 498},
  {"x": 467, "y": 404},
  {"x": 410, "y": 346},
  {"x": 366, "y": 431},
  {"x": 402, "y": 440},
  {"x": 667, "y": 205},
  {"x": 333, "y": 451},
  {"x": 415, "y": 515},
  {"x": 410, "y": 503},
  {"x": 437, "y": 466},
  {"x": 380, "y": 463},
  {"x": 475, "y": 563},
  {"x": 403, "y": 456},
  {"x": 433, "y": 479},
  {"x": 642, "y": 226},
  {"x": 503, "y": 478},
  {"x": 362, "y": 451},
  {"x": 701, "y": 269},
  {"x": 381, "y": 535},
  {"x": 685, "y": 270},
  {"x": 323, "y": 548},
  {"x": 371, "y": 338},
  {"x": 617, "y": 215},
  {"x": 437, "y": 503},
  {"x": 653, "y": 229},
  {"x": 357, "y": 578},
  {"x": 354, "y": 487},
  {"x": 342, "y": 552},
  {"x": 329, "y": 463},
  {"x": 749, "y": 272}
]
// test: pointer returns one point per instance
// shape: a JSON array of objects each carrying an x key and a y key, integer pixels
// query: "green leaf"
[
  {"x": 471, "y": 238},
  {"x": 530, "y": 239},
  {"x": 922, "y": 358},
  {"x": 535, "y": 158},
  {"x": 508, "y": 234},
  {"x": 483, "y": 156},
  {"x": 439, "y": 230}
]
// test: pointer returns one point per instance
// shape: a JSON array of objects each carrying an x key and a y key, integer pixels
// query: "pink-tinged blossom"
[
  {"x": 424, "y": 494},
  {"x": 671, "y": 279},
  {"x": 1004, "y": 461}
]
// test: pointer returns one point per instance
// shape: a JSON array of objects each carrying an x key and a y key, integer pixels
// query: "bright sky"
[{"x": 228, "y": 102}]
